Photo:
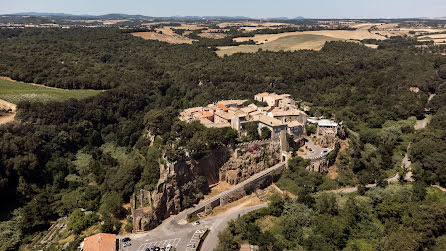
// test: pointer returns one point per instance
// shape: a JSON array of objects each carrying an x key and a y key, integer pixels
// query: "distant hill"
[
  {"x": 121, "y": 16},
  {"x": 212, "y": 17},
  {"x": 42, "y": 14},
  {"x": 107, "y": 16},
  {"x": 127, "y": 16}
]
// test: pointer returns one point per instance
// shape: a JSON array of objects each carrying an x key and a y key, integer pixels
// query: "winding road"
[
  {"x": 177, "y": 227},
  {"x": 317, "y": 151}
]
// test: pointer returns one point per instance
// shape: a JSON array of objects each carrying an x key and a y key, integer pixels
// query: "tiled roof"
[
  {"x": 100, "y": 242},
  {"x": 294, "y": 123},
  {"x": 268, "y": 120},
  {"x": 205, "y": 114},
  {"x": 263, "y": 94},
  {"x": 279, "y": 112}
]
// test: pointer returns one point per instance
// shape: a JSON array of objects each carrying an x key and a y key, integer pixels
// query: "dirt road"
[{"x": 10, "y": 116}]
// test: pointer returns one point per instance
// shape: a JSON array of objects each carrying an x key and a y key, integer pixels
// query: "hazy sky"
[{"x": 251, "y": 8}]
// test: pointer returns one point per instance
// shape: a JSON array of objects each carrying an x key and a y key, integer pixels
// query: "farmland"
[
  {"x": 295, "y": 42},
  {"x": 16, "y": 92}
]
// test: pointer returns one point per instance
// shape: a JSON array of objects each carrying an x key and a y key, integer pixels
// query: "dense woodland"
[
  {"x": 64, "y": 156},
  {"x": 392, "y": 218}
]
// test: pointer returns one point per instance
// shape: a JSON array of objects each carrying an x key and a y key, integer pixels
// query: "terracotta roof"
[
  {"x": 218, "y": 125},
  {"x": 232, "y": 102},
  {"x": 263, "y": 94},
  {"x": 266, "y": 108},
  {"x": 255, "y": 113},
  {"x": 225, "y": 115},
  {"x": 205, "y": 114},
  {"x": 193, "y": 109},
  {"x": 294, "y": 124},
  {"x": 248, "y": 109},
  {"x": 205, "y": 121},
  {"x": 100, "y": 242},
  {"x": 253, "y": 106},
  {"x": 269, "y": 121},
  {"x": 222, "y": 106},
  {"x": 278, "y": 113}
]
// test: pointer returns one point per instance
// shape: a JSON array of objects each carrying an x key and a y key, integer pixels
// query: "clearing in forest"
[
  {"x": 170, "y": 38},
  {"x": 287, "y": 43},
  {"x": 15, "y": 92}
]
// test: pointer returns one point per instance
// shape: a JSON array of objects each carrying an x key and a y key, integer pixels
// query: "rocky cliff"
[
  {"x": 248, "y": 162},
  {"x": 177, "y": 186}
]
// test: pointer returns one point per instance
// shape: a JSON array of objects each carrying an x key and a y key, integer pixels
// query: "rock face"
[
  {"x": 318, "y": 166},
  {"x": 249, "y": 162},
  {"x": 167, "y": 199}
]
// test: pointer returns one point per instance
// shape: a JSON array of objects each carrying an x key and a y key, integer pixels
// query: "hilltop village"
[{"x": 268, "y": 110}]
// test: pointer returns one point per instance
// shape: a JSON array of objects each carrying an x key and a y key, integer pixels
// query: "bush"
[{"x": 78, "y": 221}]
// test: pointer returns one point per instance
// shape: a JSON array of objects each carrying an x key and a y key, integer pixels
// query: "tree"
[
  {"x": 310, "y": 128},
  {"x": 112, "y": 204},
  {"x": 265, "y": 133},
  {"x": 226, "y": 241},
  {"x": 79, "y": 221},
  {"x": 252, "y": 131},
  {"x": 327, "y": 203},
  {"x": 10, "y": 233}
]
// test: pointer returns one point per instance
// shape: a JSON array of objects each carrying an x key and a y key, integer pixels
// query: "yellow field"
[
  {"x": 212, "y": 35},
  {"x": 170, "y": 38},
  {"x": 287, "y": 43}
]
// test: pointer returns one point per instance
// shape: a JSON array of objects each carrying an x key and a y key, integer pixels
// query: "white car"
[
  {"x": 196, "y": 223},
  {"x": 190, "y": 245},
  {"x": 168, "y": 247}
]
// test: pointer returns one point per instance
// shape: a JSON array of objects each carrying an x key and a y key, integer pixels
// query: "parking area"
[
  {"x": 196, "y": 239},
  {"x": 161, "y": 244}
]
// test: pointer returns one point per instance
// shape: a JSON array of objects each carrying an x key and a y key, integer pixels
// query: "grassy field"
[
  {"x": 170, "y": 38},
  {"x": 15, "y": 92},
  {"x": 287, "y": 43}
]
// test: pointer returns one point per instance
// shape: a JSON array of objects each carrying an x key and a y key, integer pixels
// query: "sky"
[{"x": 249, "y": 8}]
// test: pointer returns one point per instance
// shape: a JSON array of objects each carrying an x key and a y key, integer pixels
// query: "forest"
[{"x": 94, "y": 152}]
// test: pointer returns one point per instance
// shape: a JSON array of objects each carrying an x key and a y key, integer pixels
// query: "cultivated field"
[
  {"x": 337, "y": 34},
  {"x": 286, "y": 43},
  {"x": 170, "y": 38},
  {"x": 437, "y": 38},
  {"x": 15, "y": 92}
]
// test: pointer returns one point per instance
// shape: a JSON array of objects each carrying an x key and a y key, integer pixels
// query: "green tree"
[
  {"x": 226, "y": 241},
  {"x": 252, "y": 131},
  {"x": 265, "y": 133}
]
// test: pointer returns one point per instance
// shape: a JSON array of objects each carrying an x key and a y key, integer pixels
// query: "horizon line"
[{"x": 59, "y": 14}]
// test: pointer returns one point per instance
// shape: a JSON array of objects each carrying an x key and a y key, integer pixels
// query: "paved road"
[
  {"x": 317, "y": 151},
  {"x": 178, "y": 235},
  {"x": 174, "y": 227},
  {"x": 253, "y": 178},
  {"x": 220, "y": 223}
]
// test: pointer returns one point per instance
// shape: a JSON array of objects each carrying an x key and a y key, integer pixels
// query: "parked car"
[
  {"x": 126, "y": 239},
  {"x": 196, "y": 223},
  {"x": 126, "y": 244},
  {"x": 168, "y": 247},
  {"x": 191, "y": 245}
]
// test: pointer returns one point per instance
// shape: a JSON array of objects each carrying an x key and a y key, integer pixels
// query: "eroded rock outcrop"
[
  {"x": 168, "y": 198},
  {"x": 248, "y": 162},
  {"x": 318, "y": 165}
]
